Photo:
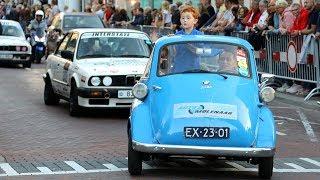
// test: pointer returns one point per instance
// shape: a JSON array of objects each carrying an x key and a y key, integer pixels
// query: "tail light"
[
  {"x": 24, "y": 48},
  {"x": 18, "y": 48}
]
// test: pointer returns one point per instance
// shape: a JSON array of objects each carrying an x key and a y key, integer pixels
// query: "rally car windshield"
[
  {"x": 207, "y": 57},
  {"x": 8, "y": 30},
  {"x": 98, "y": 47},
  {"x": 82, "y": 21}
]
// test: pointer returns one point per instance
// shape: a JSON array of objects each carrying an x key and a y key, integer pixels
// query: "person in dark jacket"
[
  {"x": 139, "y": 19},
  {"x": 0, "y": 29}
]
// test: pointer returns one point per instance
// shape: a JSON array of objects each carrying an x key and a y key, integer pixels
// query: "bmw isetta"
[{"x": 201, "y": 96}]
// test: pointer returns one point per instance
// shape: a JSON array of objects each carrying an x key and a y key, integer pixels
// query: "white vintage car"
[
  {"x": 14, "y": 48},
  {"x": 96, "y": 68}
]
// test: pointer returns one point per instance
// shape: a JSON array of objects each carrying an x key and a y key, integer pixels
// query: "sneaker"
[
  {"x": 294, "y": 89},
  {"x": 283, "y": 88},
  {"x": 318, "y": 102}
]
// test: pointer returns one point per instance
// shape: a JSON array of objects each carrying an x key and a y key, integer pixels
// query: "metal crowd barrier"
[{"x": 271, "y": 59}]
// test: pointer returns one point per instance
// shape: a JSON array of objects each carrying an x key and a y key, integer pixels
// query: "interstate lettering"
[{"x": 103, "y": 34}]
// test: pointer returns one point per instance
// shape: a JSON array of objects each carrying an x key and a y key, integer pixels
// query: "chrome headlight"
[
  {"x": 267, "y": 94},
  {"x": 107, "y": 81},
  {"x": 140, "y": 91},
  {"x": 95, "y": 81}
]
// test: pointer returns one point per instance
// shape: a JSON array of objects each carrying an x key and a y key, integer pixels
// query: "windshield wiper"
[
  {"x": 204, "y": 71},
  {"x": 130, "y": 55}
]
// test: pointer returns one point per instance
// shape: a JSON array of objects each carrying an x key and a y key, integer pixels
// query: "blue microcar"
[{"x": 200, "y": 96}]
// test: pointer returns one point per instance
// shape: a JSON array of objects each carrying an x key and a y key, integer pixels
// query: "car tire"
[
  {"x": 50, "y": 98},
  {"x": 27, "y": 64},
  {"x": 134, "y": 158},
  {"x": 74, "y": 108},
  {"x": 265, "y": 167}
]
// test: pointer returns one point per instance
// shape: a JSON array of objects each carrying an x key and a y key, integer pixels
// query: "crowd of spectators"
[{"x": 264, "y": 17}]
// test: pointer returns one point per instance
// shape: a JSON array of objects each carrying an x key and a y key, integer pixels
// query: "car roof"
[
  {"x": 203, "y": 38},
  {"x": 84, "y": 30},
  {"x": 10, "y": 21}
]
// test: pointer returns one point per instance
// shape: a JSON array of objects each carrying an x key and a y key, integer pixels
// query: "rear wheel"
[
  {"x": 50, "y": 98},
  {"x": 38, "y": 56},
  {"x": 265, "y": 167},
  {"x": 134, "y": 158},
  {"x": 74, "y": 108}
]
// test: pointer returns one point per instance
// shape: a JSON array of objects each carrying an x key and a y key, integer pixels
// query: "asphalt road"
[{"x": 44, "y": 142}]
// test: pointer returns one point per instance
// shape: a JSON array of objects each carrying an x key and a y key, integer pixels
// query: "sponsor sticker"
[
  {"x": 115, "y": 34},
  {"x": 201, "y": 110}
]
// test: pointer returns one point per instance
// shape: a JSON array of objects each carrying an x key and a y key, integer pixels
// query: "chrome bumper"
[{"x": 203, "y": 150}]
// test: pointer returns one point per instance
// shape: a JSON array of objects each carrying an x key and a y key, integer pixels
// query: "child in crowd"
[{"x": 189, "y": 18}]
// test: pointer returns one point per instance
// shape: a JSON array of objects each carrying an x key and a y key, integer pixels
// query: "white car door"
[{"x": 59, "y": 66}]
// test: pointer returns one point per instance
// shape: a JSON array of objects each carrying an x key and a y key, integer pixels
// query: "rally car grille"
[
  {"x": 128, "y": 80},
  {"x": 7, "y": 48}
]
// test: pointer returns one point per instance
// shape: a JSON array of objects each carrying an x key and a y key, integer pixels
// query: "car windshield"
[
  {"x": 206, "y": 57},
  {"x": 82, "y": 21},
  {"x": 97, "y": 45},
  {"x": 11, "y": 30}
]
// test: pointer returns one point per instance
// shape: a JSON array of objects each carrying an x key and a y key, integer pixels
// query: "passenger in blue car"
[{"x": 185, "y": 57}]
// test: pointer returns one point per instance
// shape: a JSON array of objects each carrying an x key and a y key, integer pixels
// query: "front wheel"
[
  {"x": 265, "y": 167},
  {"x": 50, "y": 98},
  {"x": 134, "y": 158},
  {"x": 74, "y": 108}
]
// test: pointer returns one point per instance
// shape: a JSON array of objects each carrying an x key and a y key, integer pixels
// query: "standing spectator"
[
  {"x": 312, "y": 19},
  {"x": 14, "y": 14},
  {"x": 139, "y": 17},
  {"x": 203, "y": 16},
  {"x": 66, "y": 9},
  {"x": 147, "y": 16},
  {"x": 227, "y": 17},
  {"x": 166, "y": 16},
  {"x": 207, "y": 4},
  {"x": 286, "y": 18},
  {"x": 108, "y": 12},
  {"x": 46, "y": 15},
  {"x": 253, "y": 15},
  {"x": 301, "y": 20},
  {"x": 273, "y": 22},
  {"x": 23, "y": 18},
  {"x": 318, "y": 23},
  {"x": 54, "y": 10},
  {"x": 220, "y": 10},
  {"x": 99, "y": 11},
  {"x": 175, "y": 19}
]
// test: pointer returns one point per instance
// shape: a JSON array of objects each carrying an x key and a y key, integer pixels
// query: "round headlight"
[
  {"x": 95, "y": 81},
  {"x": 267, "y": 94},
  {"x": 107, "y": 81},
  {"x": 140, "y": 91}
]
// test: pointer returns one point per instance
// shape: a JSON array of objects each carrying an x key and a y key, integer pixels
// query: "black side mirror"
[{"x": 67, "y": 54}]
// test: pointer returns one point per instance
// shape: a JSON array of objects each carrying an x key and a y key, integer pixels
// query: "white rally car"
[
  {"x": 14, "y": 48},
  {"x": 96, "y": 68}
]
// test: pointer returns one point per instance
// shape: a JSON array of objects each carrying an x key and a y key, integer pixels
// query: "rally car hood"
[
  {"x": 114, "y": 66},
  {"x": 205, "y": 101},
  {"x": 13, "y": 41}
]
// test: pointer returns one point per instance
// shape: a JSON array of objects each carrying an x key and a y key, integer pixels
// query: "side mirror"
[{"x": 67, "y": 54}]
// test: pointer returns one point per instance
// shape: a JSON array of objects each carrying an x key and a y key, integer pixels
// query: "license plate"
[
  {"x": 125, "y": 94},
  {"x": 207, "y": 132},
  {"x": 6, "y": 56}
]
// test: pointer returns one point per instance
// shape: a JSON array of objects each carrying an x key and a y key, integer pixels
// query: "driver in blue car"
[
  {"x": 186, "y": 58},
  {"x": 228, "y": 62}
]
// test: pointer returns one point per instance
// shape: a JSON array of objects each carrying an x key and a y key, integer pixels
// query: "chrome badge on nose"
[{"x": 206, "y": 84}]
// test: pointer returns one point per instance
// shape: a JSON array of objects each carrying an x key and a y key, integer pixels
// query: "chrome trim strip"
[
  {"x": 60, "y": 82},
  {"x": 203, "y": 150}
]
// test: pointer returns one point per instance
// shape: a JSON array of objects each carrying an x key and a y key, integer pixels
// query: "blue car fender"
[
  {"x": 140, "y": 124},
  {"x": 267, "y": 129}
]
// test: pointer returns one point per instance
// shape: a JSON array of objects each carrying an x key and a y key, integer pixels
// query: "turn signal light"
[{"x": 96, "y": 93}]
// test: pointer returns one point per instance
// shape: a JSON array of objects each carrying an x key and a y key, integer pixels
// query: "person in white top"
[
  {"x": 262, "y": 23},
  {"x": 166, "y": 16}
]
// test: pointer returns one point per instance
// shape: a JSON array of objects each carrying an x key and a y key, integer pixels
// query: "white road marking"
[
  {"x": 291, "y": 119},
  {"x": 275, "y": 107},
  {"x": 76, "y": 166},
  {"x": 199, "y": 162},
  {"x": 112, "y": 167},
  {"x": 307, "y": 126},
  {"x": 311, "y": 161},
  {"x": 8, "y": 169},
  {"x": 241, "y": 168},
  {"x": 45, "y": 170},
  {"x": 28, "y": 69},
  {"x": 280, "y": 133}
]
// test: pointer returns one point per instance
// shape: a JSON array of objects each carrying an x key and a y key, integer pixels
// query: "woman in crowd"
[{"x": 204, "y": 16}]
